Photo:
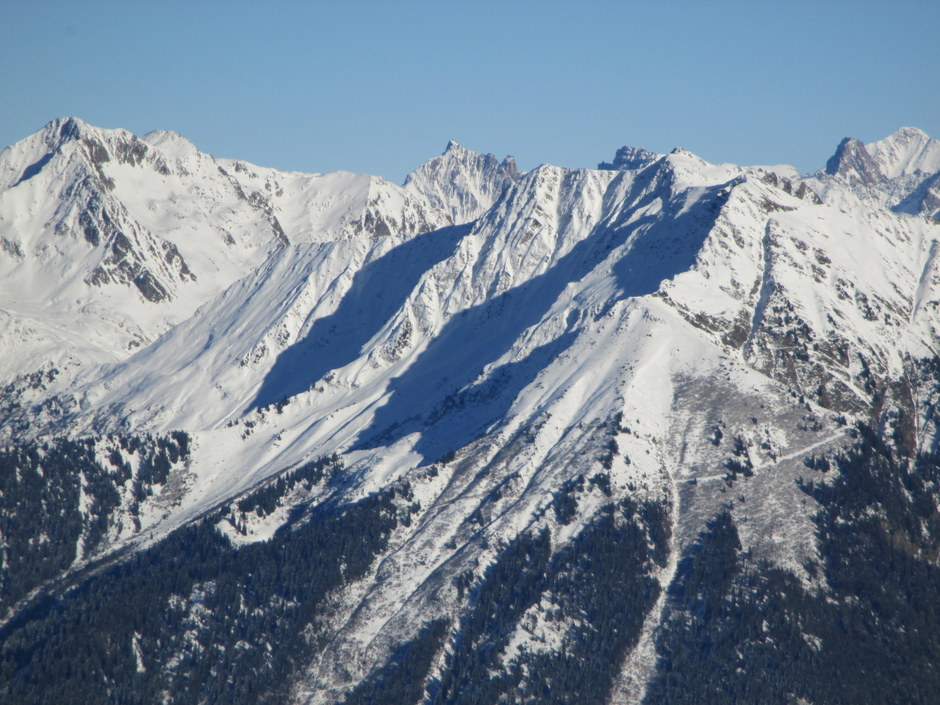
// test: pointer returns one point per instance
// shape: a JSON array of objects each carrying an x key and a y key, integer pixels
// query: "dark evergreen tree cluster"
[
  {"x": 195, "y": 619},
  {"x": 601, "y": 587},
  {"x": 267, "y": 498},
  {"x": 401, "y": 680},
  {"x": 511, "y": 585},
  {"x": 741, "y": 631},
  {"x": 44, "y": 527},
  {"x": 565, "y": 501},
  {"x": 739, "y": 463}
]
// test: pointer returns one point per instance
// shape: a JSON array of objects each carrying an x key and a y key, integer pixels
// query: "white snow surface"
[{"x": 907, "y": 151}]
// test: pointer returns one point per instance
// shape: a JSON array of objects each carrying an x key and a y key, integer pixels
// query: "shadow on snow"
[
  {"x": 443, "y": 394},
  {"x": 378, "y": 290}
]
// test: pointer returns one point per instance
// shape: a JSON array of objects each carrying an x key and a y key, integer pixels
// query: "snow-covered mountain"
[
  {"x": 900, "y": 171},
  {"x": 108, "y": 240},
  {"x": 488, "y": 436}
]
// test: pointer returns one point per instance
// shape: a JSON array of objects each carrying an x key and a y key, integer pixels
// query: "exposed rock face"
[
  {"x": 854, "y": 164},
  {"x": 630, "y": 158}
]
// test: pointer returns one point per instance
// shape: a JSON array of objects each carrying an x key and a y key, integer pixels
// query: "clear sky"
[{"x": 379, "y": 87}]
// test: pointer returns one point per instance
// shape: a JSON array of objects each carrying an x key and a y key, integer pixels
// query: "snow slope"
[{"x": 107, "y": 240}]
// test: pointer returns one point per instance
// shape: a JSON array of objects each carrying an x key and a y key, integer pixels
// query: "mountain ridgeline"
[{"x": 662, "y": 431}]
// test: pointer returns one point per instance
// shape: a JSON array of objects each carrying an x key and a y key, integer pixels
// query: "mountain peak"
[
  {"x": 629, "y": 158},
  {"x": 462, "y": 182},
  {"x": 852, "y": 162},
  {"x": 906, "y": 151},
  {"x": 67, "y": 127},
  {"x": 454, "y": 148},
  {"x": 910, "y": 132},
  {"x": 170, "y": 142},
  {"x": 58, "y": 132},
  {"x": 57, "y": 137},
  {"x": 510, "y": 169}
]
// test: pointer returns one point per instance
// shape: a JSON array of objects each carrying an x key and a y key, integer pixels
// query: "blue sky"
[{"x": 379, "y": 87}]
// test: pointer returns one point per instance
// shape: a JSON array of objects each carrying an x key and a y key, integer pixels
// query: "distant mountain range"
[{"x": 658, "y": 432}]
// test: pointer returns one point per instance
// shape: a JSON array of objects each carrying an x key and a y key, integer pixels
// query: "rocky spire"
[{"x": 854, "y": 164}]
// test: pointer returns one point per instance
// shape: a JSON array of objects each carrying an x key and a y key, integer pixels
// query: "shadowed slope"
[
  {"x": 444, "y": 394},
  {"x": 378, "y": 290}
]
